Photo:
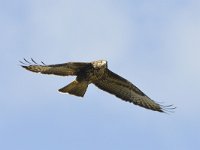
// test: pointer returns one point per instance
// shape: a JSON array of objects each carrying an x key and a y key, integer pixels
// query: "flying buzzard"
[{"x": 96, "y": 72}]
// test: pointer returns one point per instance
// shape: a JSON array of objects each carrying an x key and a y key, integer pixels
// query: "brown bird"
[{"x": 96, "y": 72}]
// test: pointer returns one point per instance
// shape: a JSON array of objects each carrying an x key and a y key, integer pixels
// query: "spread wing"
[
  {"x": 71, "y": 68},
  {"x": 125, "y": 90}
]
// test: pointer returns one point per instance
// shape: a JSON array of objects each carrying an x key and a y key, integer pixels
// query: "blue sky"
[{"x": 154, "y": 44}]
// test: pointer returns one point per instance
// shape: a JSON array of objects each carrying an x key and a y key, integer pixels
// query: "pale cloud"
[
  {"x": 182, "y": 42},
  {"x": 79, "y": 30}
]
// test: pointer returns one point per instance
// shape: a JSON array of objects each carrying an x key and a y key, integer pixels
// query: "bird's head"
[{"x": 99, "y": 64}]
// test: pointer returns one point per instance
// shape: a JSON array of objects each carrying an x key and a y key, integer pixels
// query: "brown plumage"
[{"x": 96, "y": 72}]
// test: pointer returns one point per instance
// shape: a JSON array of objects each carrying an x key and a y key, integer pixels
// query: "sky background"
[{"x": 154, "y": 44}]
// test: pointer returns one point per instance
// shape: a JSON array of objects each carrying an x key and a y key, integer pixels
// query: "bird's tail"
[{"x": 75, "y": 88}]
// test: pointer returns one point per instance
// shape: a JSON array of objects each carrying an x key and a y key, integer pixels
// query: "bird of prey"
[{"x": 96, "y": 72}]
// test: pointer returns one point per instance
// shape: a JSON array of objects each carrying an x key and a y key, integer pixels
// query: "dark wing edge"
[
  {"x": 65, "y": 69},
  {"x": 125, "y": 90}
]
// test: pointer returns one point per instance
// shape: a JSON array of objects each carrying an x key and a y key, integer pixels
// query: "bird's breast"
[{"x": 94, "y": 75}]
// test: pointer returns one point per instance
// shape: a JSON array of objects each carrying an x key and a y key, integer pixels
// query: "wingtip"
[
  {"x": 32, "y": 62},
  {"x": 23, "y": 66},
  {"x": 168, "y": 108},
  {"x": 26, "y": 67}
]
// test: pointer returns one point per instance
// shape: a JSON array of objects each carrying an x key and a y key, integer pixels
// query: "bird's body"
[{"x": 96, "y": 72}]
